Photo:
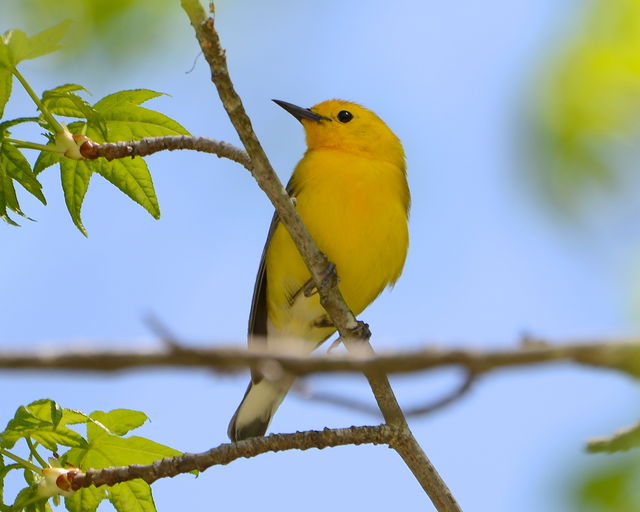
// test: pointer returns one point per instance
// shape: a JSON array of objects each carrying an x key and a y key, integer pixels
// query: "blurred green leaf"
[
  {"x": 6, "y": 80},
  {"x": 589, "y": 104},
  {"x": 3, "y": 473},
  {"x": 105, "y": 32},
  {"x": 22, "y": 47},
  {"x": 624, "y": 439},
  {"x": 5, "y": 58},
  {"x": 612, "y": 487}
]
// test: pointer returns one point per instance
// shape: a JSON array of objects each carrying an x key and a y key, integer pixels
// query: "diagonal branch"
[
  {"x": 354, "y": 334},
  {"x": 228, "y": 452}
]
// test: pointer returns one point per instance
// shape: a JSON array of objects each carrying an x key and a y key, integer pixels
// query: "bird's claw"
[{"x": 329, "y": 280}]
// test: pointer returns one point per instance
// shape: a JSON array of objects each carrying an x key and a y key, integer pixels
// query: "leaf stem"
[
  {"x": 34, "y": 452},
  {"x": 55, "y": 126},
  {"x": 21, "y": 461},
  {"x": 32, "y": 145}
]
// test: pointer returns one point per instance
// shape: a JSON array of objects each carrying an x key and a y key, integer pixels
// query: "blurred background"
[{"x": 520, "y": 122}]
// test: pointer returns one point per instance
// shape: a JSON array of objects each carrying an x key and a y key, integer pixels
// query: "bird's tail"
[{"x": 260, "y": 402}]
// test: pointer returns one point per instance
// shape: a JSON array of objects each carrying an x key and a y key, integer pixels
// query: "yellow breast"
[{"x": 356, "y": 210}]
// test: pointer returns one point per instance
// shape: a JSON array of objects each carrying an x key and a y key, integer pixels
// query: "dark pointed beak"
[{"x": 300, "y": 113}]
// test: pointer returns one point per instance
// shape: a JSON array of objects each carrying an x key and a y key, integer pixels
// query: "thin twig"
[
  {"x": 456, "y": 394},
  {"x": 162, "y": 331},
  {"x": 353, "y": 404},
  {"x": 228, "y": 452}
]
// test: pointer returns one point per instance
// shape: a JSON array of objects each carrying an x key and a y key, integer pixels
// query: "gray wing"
[
  {"x": 257, "y": 332},
  {"x": 258, "y": 316}
]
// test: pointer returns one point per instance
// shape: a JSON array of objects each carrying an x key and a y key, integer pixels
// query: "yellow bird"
[{"x": 351, "y": 191}]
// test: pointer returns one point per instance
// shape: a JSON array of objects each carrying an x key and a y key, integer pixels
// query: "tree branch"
[
  {"x": 623, "y": 356},
  {"x": 409, "y": 412},
  {"x": 228, "y": 452},
  {"x": 150, "y": 145},
  {"x": 323, "y": 273}
]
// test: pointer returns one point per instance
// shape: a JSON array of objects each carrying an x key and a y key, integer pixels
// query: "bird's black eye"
[{"x": 344, "y": 116}]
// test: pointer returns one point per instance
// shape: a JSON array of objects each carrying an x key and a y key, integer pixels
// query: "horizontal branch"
[
  {"x": 228, "y": 452},
  {"x": 147, "y": 146},
  {"x": 623, "y": 356}
]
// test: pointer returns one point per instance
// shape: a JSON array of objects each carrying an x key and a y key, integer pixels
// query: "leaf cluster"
[
  {"x": 45, "y": 425},
  {"x": 116, "y": 117}
]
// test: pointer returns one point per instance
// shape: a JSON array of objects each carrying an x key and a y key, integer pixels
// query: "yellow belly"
[{"x": 356, "y": 210}]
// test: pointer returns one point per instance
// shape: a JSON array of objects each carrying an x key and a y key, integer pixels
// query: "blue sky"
[{"x": 486, "y": 262}]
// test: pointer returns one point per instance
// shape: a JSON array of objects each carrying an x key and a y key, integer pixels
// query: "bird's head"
[{"x": 346, "y": 126}]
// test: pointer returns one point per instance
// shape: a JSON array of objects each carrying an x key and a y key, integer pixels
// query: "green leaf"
[
  {"x": 3, "y": 473},
  {"x": 47, "y": 410},
  {"x": 105, "y": 450},
  {"x": 68, "y": 104},
  {"x": 118, "y": 451},
  {"x": 27, "y": 499},
  {"x": 10, "y": 197},
  {"x": 5, "y": 58},
  {"x": 17, "y": 167},
  {"x": 120, "y": 421},
  {"x": 131, "y": 176},
  {"x": 128, "y": 121},
  {"x": 45, "y": 159},
  {"x": 120, "y": 98},
  {"x": 40, "y": 421},
  {"x": 63, "y": 101},
  {"x": 47, "y": 41},
  {"x": 75, "y": 175},
  {"x": 132, "y": 496},
  {"x": 134, "y": 123},
  {"x": 4, "y": 127},
  {"x": 86, "y": 499},
  {"x": 6, "y": 80},
  {"x": 4, "y": 470},
  {"x": 21, "y": 47},
  {"x": 5, "y": 197},
  {"x": 61, "y": 89}
]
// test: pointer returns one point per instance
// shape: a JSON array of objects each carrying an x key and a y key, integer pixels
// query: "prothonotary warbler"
[{"x": 351, "y": 191}]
